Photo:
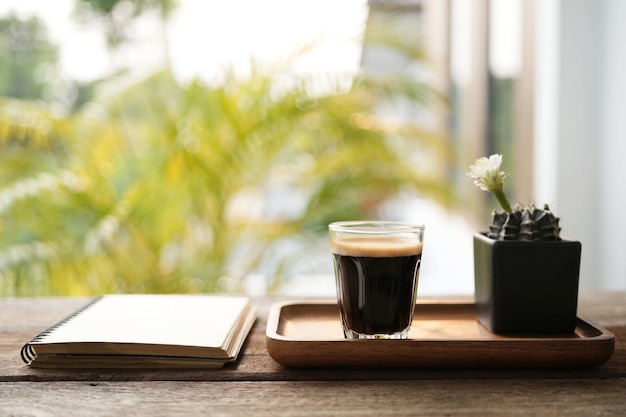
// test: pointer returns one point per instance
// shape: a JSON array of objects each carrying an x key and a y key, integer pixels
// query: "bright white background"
[
  {"x": 581, "y": 129},
  {"x": 205, "y": 36}
]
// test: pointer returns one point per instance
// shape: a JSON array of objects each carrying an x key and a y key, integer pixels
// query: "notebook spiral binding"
[{"x": 28, "y": 354}]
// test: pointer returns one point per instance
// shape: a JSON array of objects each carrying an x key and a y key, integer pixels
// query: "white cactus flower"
[{"x": 488, "y": 176}]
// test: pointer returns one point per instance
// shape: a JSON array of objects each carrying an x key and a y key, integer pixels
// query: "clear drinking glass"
[{"x": 376, "y": 271}]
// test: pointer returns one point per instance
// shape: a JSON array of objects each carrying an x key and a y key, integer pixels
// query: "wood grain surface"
[
  {"x": 257, "y": 385},
  {"x": 316, "y": 398}
]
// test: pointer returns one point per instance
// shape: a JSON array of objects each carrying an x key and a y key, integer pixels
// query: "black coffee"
[{"x": 376, "y": 284}]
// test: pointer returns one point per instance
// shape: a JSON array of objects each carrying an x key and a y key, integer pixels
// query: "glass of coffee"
[{"x": 376, "y": 271}]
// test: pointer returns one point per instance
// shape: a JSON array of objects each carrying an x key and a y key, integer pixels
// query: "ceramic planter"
[{"x": 526, "y": 287}]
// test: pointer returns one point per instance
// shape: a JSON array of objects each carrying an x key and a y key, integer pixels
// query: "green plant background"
[{"x": 165, "y": 186}]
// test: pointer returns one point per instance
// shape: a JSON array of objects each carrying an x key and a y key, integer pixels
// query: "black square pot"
[{"x": 526, "y": 287}]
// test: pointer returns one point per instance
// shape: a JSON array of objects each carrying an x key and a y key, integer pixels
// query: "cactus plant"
[
  {"x": 525, "y": 223},
  {"x": 519, "y": 223},
  {"x": 525, "y": 276}
]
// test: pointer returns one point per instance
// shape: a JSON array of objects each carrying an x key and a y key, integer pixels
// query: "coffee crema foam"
[{"x": 375, "y": 247}]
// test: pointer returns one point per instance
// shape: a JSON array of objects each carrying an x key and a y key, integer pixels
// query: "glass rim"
[{"x": 374, "y": 226}]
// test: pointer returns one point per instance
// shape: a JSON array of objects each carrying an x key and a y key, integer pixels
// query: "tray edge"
[{"x": 605, "y": 341}]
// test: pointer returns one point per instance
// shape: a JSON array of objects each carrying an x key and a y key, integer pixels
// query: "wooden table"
[{"x": 258, "y": 386}]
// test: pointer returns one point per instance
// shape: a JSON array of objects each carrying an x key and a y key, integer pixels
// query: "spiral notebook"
[{"x": 146, "y": 331}]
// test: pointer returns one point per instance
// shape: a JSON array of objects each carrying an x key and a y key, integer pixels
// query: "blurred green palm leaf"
[{"x": 169, "y": 187}]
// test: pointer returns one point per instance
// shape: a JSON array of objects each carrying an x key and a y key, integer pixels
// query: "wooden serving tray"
[{"x": 443, "y": 335}]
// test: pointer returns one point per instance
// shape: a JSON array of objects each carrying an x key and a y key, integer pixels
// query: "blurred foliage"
[
  {"x": 29, "y": 66},
  {"x": 117, "y": 15},
  {"x": 163, "y": 187},
  {"x": 160, "y": 186},
  {"x": 28, "y": 61}
]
